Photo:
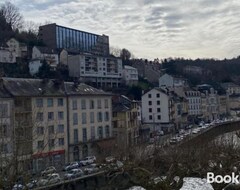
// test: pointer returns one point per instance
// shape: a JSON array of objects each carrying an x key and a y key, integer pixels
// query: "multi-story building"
[
  {"x": 90, "y": 120},
  {"x": 157, "y": 109},
  {"x": 17, "y": 48},
  {"x": 45, "y": 54},
  {"x": 130, "y": 75},
  {"x": 60, "y": 37},
  {"x": 194, "y": 102},
  {"x": 56, "y": 122},
  {"x": 171, "y": 81},
  {"x": 125, "y": 122},
  {"x": 7, "y": 56},
  {"x": 100, "y": 71},
  {"x": 231, "y": 88},
  {"x": 6, "y": 132}
]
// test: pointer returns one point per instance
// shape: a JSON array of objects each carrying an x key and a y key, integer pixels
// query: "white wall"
[{"x": 164, "y": 107}]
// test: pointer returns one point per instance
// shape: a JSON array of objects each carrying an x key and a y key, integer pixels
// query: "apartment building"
[
  {"x": 157, "y": 109},
  {"x": 90, "y": 120},
  {"x": 17, "y": 48},
  {"x": 194, "y": 102},
  {"x": 97, "y": 70},
  {"x": 130, "y": 75},
  {"x": 171, "y": 81},
  {"x": 6, "y": 132},
  {"x": 125, "y": 122}
]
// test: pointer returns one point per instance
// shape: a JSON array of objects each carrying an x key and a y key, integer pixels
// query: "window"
[
  {"x": 159, "y": 117},
  {"x": 50, "y": 115},
  {"x": 91, "y": 117},
  {"x": 40, "y": 130},
  {"x": 60, "y": 101},
  {"x": 158, "y": 95},
  {"x": 99, "y": 104},
  {"x": 106, "y": 116},
  {"x": 60, "y": 128},
  {"x": 3, "y": 130},
  {"x": 74, "y": 104},
  {"x": 107, "y": 131},
  {"x": 106, "y": 103},
  {"x": 150, "y": 110},
  {"x": 83, "y": 104},
  {"x": 158, "y": 110},
  {"x": 99, "y": 116},
  {"x": 149, "y": 95},
  {"x": 51, "y": 143},
  {"x": 84, "y": 118},
  {"x": 75, "y": 136},
  {"x": 91, "y": 104},
  {"x": 158, "y": 102},
  {"x": 40, "y": 145},
  {"x": 150, "y": 117},
  {"x": 60, "y": 115},
  {"x": 39, "y": 102},
  {"x": 84, "y": 133},
  {"x": 50, "y": 129},
  {"x": 149, "y": 103},
  {"x": 92, "y": 132},
  {"x": 39, "y": 116},
  {"x": 6, "y": 148},
  {"x": 61, "y": 141},
  {"x": 3, "y": 110},
  {"x": 100, "y": 132},
  {"x": 75, "y": 118},
  {"x": 50, "y": 102}
]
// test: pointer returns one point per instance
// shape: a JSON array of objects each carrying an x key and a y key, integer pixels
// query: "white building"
[
  {"x": 171, "y": 81},
  {"x": 194, "y": 102},
  {"x": 156, "y": 109},
  {"x": 130, "y": 75},
  {"x": 7, "y": 56},
  {"x": 34, "y": 66},
  {"x": 231, "y": 88},
  {"x": 18, "y": 49},
  {"x": 101, "y": 71},
  {"x": 46, "y": 54}
]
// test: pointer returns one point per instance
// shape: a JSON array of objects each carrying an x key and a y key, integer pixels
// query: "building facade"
[
  {"x": 157, "y": 109},
  {"x": 194, "y": 102},
  {"x": 171, "y": 81},
  {"x": 130, "y": 75},
  {"x": 101, "y": 71},
  {"x": 60, "y": 37}
]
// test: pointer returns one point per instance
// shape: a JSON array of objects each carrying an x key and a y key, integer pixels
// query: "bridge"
[{"x": 211, "y": 133}]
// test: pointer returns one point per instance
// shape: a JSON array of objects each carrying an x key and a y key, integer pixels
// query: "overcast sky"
[{"x": 149, "y": 28}]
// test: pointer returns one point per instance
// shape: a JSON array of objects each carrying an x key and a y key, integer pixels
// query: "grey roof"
[
  {"x": 48, "y": 87},
  {"x": 119, "y": 107},
  {"x": 33, "y": 87},
  {"x": 4, "y": 93},
  {"x": 83, "y": 89},
  {"x": 46, "y": 50}
]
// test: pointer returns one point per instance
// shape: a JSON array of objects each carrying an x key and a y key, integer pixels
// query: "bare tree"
[{"x": 12, "y": 15}]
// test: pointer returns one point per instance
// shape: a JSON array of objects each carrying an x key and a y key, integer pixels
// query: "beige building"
[
  {"x": 6, "y": 132},
  {"x": 125, "y": 122},
  {"x": 90, "y": 120}
]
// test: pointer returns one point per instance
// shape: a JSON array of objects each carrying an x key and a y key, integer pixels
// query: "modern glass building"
[{"x": 60, "y": 37}]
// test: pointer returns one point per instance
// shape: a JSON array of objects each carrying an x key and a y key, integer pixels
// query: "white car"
[
  {"x": 49, "y": 179},
  {"x": 91, "y": 169},
  {"x": 71, "y": 166},
  {"x": 74, "y": 173},
  {"x": 109, "y": 159},
  {"x": 88, "y": 160},
  {"x": 48, "y": 170}
]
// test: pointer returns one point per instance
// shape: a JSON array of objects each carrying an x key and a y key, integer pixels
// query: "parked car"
[
  {"x": 74, "y": 173},
  {"x": 91, "y": 169},
  {"x": 88, "y": 160},
  {"x": 32, "y": 184},
  {"x": 48, "y": 170},
  {"x": 109, "y": 159},
  {"x": 53, "y": 178},
  {"x": 18, "y": 186},
  {"x": 71, "y": 166}
]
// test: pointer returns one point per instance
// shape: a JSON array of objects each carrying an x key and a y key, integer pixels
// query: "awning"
[{"x": 46, "y": 154}]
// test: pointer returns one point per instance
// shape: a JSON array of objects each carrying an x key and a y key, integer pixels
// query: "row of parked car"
[{"x": 71, "y": 171}]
